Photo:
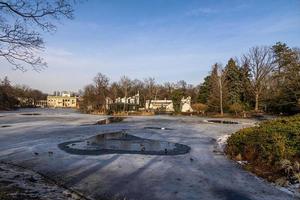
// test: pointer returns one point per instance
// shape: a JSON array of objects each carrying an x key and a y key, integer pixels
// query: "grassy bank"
[{"x": 272, "y": 149}]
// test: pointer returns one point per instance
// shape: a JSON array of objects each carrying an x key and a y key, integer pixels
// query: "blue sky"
[{"x": 169, "y": 40}]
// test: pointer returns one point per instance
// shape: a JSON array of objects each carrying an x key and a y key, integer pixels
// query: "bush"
[
  {"x": 200, "y": 108},
  {"x": 236, "y": 108},
  {"x": 267, "y": 145}
]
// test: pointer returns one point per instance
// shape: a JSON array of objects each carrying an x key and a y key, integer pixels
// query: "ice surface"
[{"x": 32, "y": 142}]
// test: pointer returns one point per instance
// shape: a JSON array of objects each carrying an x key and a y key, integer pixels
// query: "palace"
[{"x": 64, "y": 100}]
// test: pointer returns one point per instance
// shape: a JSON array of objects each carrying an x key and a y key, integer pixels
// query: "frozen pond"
[{"x": 32, "y": 141}]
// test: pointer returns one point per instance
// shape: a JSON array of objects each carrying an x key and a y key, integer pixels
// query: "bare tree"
[
  {"x": 125, "y": 84},
  {"x": 20, "y": 23},
  {"x": 101, "y": 82},
  {"x": 261, "y": 64},
  {"x": 182, "y": 85},
  {"x": 169, "y": 87},
  {"x": 114, "y": 90},
  {"x": 218, "y": 88},
  {"x": 150, "y": 88}
]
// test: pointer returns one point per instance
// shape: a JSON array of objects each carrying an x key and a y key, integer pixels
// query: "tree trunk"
[
  {"x": 221, "y": 96},
  {"x": 256, "y": 101},
  {"x": 124, "y": 104}
]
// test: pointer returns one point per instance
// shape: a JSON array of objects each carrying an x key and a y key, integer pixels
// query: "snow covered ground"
[{"x": 204, "y": 173}]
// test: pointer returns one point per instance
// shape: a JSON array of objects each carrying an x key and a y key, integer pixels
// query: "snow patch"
[{"x": 221, "y": 142}]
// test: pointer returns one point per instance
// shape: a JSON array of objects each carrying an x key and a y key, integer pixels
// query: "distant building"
[
  {"x": 186, "y": 105},
  {"x": 65, "y": 94},
  {"x": 160, "y": 105},
  {"x": 26, "y": 101},
  {"x": 123, "y": 104},
  {"x": 41, "y": 103},
  {"x": 167, "y": 105},
  {"x": 62, "y": 100}
]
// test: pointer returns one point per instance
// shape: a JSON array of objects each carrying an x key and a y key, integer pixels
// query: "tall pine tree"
[
  {"x": 286, "y": 87},
  {"x": 233, "y": 79},
  {"x": 204, "y": 91}
]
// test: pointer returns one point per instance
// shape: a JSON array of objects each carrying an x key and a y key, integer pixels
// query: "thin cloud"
[
  {"x": 201, "y": 11},
  {"x": 58, "y": 52}
]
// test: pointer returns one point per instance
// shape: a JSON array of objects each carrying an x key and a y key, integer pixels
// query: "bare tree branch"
[
  {"x": 261, "y": 64},
  {"x": 20, "y": 22}
]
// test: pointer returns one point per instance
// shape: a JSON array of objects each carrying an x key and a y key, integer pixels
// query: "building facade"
[
  {"x": 41, "y": 103},
  {"x": 160, "y": 105},
  {"x": 64, "y": 100},
  {"x": 123, "y": 104},
  {"x": 167, "y": 105},
  {"x": 185, "y": 105}
]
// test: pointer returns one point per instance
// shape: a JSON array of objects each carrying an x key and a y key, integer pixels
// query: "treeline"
[
  {"x": 17, "y": 96},
  {"x": 94, "y": 95},
  {"x": 263, "y": 79}
]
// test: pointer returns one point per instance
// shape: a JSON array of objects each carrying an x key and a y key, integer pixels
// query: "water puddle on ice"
[
  {"x": 222, "y": 121},
  {"x": 157, "y": 128},
  {"x": 5, "y": 126},
  {"x": 30, "y": 114},
  {"x": 105, "y": 121},
  {"x": 122, "y": 143},
  {"x": 110, "y": 120}
]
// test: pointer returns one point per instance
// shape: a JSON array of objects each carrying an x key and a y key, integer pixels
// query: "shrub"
[
  {"x": 200, "y": 108},
  {"x": 273, "y": 145},
  {"x": 236, "y": 108}
]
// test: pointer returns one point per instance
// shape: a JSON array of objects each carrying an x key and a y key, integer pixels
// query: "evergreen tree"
[
  {"x": 204, "y": 91},
  {"x": 233, "y": 79},
  {"x": 286, "y": 87},
  {"x": 176, "y": 97},
  {"x": 246, "y": 95},
  {"x": 7, "y": 98}
]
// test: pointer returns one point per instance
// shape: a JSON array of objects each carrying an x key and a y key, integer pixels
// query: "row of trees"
[
  {"x": 264, "y": 79},
  {"x": 17, "y": 96},
  {"x": 94, "y": 95}
]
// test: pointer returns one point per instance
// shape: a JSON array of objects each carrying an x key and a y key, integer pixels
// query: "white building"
[
  {"x": 65, "y": 94},
  {"x": 123, "y": 104},
  {"x": 162, "y": 105},
  {"x": 129, "y": 100},
  {"x": 167, "y": 105},
  {"x": 186, "y": 104}
]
